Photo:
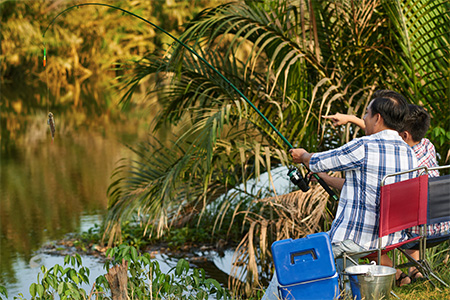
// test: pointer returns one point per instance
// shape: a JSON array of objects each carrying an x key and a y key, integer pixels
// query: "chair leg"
[
  {"x": 344, "y": 265},
  {"x": 352, "y": 260},
  {"x": 343, "y": 283},
  {"x": 395, "y": 295},
  {"x": 430, "y": 271},
  {"x": 424, "y": 267}
]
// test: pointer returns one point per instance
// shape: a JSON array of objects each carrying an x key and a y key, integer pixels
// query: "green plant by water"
[{"x": 145, "y": 279}]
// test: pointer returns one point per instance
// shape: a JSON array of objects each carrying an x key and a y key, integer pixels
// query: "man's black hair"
[
  {"x": 417, "y": 122},
  {"x": 392, "y": 107}
]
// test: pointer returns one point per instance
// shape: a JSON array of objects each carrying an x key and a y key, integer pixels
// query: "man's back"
[{"x": 365, "y": 162}]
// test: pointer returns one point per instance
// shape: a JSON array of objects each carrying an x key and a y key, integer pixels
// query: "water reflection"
[
  {"x": 49, "y": 189},
  {"x": 46, "y": 188}
]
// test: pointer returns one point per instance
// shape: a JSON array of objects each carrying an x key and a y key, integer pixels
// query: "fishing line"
[
  {"x": 320, "y": 180},
  {"x": 44, "y": 63},
  {"x": 50, "y": 120}
]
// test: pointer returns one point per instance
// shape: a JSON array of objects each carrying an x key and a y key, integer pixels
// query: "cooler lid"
[{"x": 305, "y": 259}]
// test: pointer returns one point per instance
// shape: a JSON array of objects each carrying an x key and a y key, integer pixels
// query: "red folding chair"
[{"x": 403, "y": 204}]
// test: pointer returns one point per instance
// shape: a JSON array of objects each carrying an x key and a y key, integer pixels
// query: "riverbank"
[{"x": 72, "y": 244}]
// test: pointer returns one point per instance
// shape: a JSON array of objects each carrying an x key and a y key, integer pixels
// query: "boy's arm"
[
  {"x": 342, "y": 119},
  {"x": 334, "y": 182}
]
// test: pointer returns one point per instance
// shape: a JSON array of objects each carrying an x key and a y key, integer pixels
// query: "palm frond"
[{"x": 422, "y": 32}]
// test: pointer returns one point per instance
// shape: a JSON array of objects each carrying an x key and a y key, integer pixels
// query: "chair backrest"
[
  {"x": 439, "y": 198},
  {"x": 403, "y": 204}
]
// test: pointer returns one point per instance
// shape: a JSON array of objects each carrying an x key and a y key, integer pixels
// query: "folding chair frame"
[{"x": 422, "y": 264}]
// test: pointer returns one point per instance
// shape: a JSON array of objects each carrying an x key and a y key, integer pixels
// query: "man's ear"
[{"x": 379, "y": 120}]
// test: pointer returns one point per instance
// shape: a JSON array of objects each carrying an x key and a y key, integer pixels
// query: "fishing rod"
[{"x": 294, "y": 174}]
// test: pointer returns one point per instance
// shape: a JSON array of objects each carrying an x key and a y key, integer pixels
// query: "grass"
[
  {"x": 438, "y": 258},
  {"x": 424, "y": 289}
]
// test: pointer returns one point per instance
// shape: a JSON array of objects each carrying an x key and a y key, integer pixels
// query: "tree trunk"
[{"x": 117, "y": 278}]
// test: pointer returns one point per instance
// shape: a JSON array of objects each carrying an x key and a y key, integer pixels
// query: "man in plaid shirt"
[
  {"x": 416, "y": 125},
  {"x": 366, "y": 161}
]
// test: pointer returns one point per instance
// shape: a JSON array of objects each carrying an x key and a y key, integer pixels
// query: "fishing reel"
[{"x": 296, "y": 178}]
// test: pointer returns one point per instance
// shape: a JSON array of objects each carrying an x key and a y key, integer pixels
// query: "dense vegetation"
[{"x": 296, "y": 61}]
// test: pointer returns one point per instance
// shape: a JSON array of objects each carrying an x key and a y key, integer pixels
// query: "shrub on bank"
[{"x": 130, "y": 274}]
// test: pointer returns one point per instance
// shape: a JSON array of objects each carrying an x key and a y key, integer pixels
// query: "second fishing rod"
[{"x": 294, "y": 174}]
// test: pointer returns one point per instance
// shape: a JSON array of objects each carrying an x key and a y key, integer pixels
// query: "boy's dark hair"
[
  {"x": 392, "y": 107},
  {"x": 417, "y": 122}
]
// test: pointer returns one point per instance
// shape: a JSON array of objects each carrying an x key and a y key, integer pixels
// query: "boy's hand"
[{"x": 338, "y": 119}]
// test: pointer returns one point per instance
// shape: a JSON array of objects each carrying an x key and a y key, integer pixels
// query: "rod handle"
[{"x": 326, "y": 187}]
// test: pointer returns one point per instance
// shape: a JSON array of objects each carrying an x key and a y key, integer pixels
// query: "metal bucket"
[{"x": 370, "y": 281}]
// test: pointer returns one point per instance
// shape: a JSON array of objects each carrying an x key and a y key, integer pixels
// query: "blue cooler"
[{"x": 305, "y": 268}]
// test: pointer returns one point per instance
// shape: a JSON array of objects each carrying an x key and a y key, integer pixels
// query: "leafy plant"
[
  {"x": 145, "y": 279},
  {"x": 62, "y": 281},
  {"x": 177, "y": 285}
]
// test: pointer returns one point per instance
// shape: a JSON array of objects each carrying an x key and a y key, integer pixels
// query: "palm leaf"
[{"x": 422, "y": 32}]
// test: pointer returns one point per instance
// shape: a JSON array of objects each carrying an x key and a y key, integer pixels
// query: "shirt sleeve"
[
  {"x": 347, "y": 157},
  {"x": 432, "y": 162}
]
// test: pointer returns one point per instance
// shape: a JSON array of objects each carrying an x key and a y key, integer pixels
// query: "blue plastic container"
[{"x": 305, "y": 268}]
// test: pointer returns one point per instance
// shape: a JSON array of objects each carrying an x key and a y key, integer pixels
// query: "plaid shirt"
[
  {"x": 365, "y": 161},
  {"x": 426, "y": 155}
]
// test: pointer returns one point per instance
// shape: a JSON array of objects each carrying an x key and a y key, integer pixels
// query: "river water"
[{"x": 49, "y": 188}]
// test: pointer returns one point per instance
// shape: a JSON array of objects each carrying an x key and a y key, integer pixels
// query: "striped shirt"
[{"x": 365, "y": 161}]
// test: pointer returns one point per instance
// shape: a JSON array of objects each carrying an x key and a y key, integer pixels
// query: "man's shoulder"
[{"x": 385, "y": 136}]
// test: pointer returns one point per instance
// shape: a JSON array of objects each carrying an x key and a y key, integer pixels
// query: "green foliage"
[
  {"x": 441, "y": 139},
  {"x": 62, "y": 281},
  {"x": 144, "y": 279},
  {"x": 165, "y": 286},
  {"x": 438, "y": 257},
  {"x": 295, "y": 61},
  {"x": 135, "y": 235}
]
